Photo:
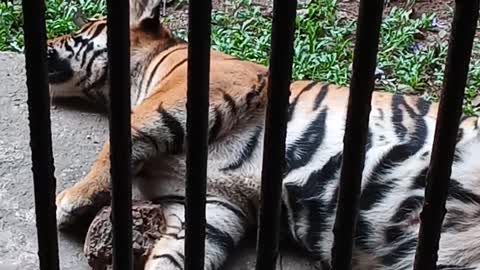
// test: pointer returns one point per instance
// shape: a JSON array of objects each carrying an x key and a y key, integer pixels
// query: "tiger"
[{"x": 398, "y": 151}]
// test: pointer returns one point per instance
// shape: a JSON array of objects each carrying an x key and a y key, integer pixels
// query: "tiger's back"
[{"x": 400, "y": 137}]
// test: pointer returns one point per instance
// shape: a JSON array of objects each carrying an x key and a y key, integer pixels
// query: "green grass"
[
  {"x": 323, "y": 47},
  {"x": 58, "y": 15},
  {"x": 324, "y": 50}
]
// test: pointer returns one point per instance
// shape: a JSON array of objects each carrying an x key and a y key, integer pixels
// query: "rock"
[
  {"x": 148, "y": 222},
  {"x": 476, "y": 101}
]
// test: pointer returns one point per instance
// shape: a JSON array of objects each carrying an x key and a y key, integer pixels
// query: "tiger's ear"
[{"x": 145, "y": 14}]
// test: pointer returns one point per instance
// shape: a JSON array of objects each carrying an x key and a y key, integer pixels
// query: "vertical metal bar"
[
  {"x": 118, "y": 43},
  {"x": 40, "y": 132},
  {"x": 280, "y": 72},
  {"x": 361, "y": 87},
  {"x": 449, "y": 113},
  {"x": 199, "y": 19}
]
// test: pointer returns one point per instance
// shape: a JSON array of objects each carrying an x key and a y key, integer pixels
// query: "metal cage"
[{"x": 362, "y": 83}]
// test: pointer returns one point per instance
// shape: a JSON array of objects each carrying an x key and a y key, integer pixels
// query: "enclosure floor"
[{"x": 77, "y": 136}]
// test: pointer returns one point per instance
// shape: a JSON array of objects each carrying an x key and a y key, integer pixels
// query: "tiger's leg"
[
  {"x": 154, "y": 131},
  {"x": 226, "y": 225},
  {"x": 158, "y": 127}
]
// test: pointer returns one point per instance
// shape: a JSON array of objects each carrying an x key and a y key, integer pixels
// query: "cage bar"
[
  {"x": 449, "y": 113},
  {"x": 356, "y": 129},
  {"x": 40, "y": 132},
  {"x": 118, "y": 43},
  {"x": 199, "y": 19},
  {"x": 280, "y": 72}
]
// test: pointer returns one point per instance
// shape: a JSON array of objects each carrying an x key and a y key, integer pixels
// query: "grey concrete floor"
[{"x": 77, "y": 136}]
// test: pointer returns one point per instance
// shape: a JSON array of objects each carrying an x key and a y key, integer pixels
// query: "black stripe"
[
  {"x": 171, "y": 70},
  {"x": 320, "y": 97},
  {"x": 420, "y": 134},
  {"x": 228, "y": 206},
  {"x": 176, "y": 131},
  {"x": 363, "y": 232},
  {"x": 95, "y": 55},
  {"x": 84, "y": 56},
  {"x": 69, "y": 49},
  {"x": 397, "y": 116},
  {"x": 170, "y": 258},
  {"x": 455, "y": 221},
  {"x": 220, "y": 238},
  {"x": 379, "y": 185},
  {"x": 169, "y": 199},
  {"x": 369, "y": 139},
  {"x": 457, "y": 191},
  {"x": 181, "y": 256},
  {"x": 83, "y": 42},
  {"x": 217, "y": 126},
  {"x": 230, "y": 102},
  {"x": 382, "y": 115},
  {"x": 95, "y": 86},
  {"x": 318, "y": 212},
  {"x": 100, "y": 27},
  {"x": 460, "y": 135},
  {"x": 143, "y": 136},
  {"x": 256, "y": 89},
  {"x": 142, "y": 70},
  {"x": 307, "y": 197},
  {"x": 423, "y": 106},
  {"x": 453, "y": 267},
  {"x": 247, "y": 151},
  {"x": 300, "y": 152},
  {"x": 394, "y": 233},
  {"x": 138, "y": 70},
  {"x": 316, "y": 182},
  {"x": 293, "y": 104},
  {"x": 407, "y": 207},
  {"x": 399, "y": 252},
  {"x": 419, "y": 182},
  {"x": 374, "y": 192},
  {"x": 457, "y": 156},
  {"x": 294, "y": 202},
  {"x": 79, "y": 39},
  {"x": 152, "y": 74}
]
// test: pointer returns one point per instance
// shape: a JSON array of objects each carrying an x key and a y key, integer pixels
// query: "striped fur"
[{"x": 398, "y": 152}]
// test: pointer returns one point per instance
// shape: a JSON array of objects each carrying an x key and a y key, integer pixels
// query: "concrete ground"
[{"x": 77, "y": 136}]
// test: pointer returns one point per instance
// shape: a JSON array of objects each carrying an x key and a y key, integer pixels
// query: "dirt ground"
[{"x": 177, "y": 10}]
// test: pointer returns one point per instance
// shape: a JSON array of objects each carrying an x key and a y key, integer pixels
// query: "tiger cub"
[{"x": 397, "y": 154}]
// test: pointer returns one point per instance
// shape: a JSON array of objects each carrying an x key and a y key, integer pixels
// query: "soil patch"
[{"x": 177, "y": 10}]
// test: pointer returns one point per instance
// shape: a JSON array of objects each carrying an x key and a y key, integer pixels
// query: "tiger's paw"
[{"x": 75, "y": 204}]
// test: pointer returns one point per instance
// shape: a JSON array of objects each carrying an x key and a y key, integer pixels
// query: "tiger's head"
[{"x": 78, "y": 64}]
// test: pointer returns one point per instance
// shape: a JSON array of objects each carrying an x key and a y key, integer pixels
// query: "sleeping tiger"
[{"x": 397, "y": 154}]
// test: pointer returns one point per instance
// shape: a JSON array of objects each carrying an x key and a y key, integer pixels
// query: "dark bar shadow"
[{"x": 79, "y": 104}]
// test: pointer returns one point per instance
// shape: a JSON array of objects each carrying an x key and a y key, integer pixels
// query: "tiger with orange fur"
[{"x": 397, "y": 154}]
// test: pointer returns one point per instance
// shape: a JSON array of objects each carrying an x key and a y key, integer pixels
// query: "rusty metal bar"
[
  {"x": 40, "y": 132},
  {"x": 118, "y": 43},
  {"x": 449, "y": 113},
  {"x": 199, "y": 19},
  {"x": 361, "y": 87},
  {"x": 280, "y": 72}
]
